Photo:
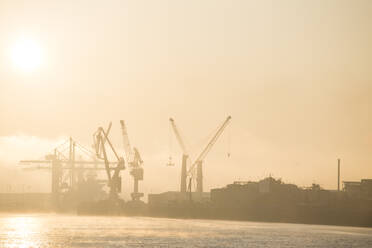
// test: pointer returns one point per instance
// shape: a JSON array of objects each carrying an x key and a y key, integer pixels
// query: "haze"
[{"x": 296, "y": 79}]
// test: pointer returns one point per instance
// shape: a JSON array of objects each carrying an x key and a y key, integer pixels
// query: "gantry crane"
[
  {"x": 199, "y": 161},
  {"x": 185, "y": 155},
  {"x": 114, "y": 181},
  {"x": 59, "y": 163},
  {"x": 135, "y": 162}
]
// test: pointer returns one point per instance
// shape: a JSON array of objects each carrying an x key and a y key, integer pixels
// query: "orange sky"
[{"x": 295, "y": 76}]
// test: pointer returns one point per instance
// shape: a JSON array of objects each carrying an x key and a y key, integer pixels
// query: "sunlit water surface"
[{"x": 41, "y": 230}]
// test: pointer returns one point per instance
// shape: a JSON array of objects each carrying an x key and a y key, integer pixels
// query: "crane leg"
[
  {"x": 136, "y": 185},
  {"x": 183, "y": 173},
  {"x": 199, "y": 177}
]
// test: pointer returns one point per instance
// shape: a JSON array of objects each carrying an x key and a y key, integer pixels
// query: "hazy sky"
[{"x": 296, "y": 76}]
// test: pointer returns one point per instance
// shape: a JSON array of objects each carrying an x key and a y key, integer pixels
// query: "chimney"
[{"x": 338, "y": 174}]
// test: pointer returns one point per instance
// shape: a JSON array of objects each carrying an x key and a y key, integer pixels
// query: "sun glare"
[{"x": 26, "y": 55}]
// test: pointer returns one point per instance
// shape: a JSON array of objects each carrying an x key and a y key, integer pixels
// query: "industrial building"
[
  {"x": 173, "y": 197},
  {"x": 255, "y": 200},
  {"x": 272, "y": 200},
  {"x": 362, "y": 189}
]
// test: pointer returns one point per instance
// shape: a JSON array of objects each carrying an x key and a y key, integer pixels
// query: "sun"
[{"x": 26, "y": 54}]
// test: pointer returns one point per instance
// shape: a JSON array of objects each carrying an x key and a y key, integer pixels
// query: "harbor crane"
[
  {"x": 134, "y": 161},
  {"x": 198, "y": 164},
  {"x": 185, "y": 155},
  {"x": 114, "y": 180},
  {"x": 65, "y": 174}
]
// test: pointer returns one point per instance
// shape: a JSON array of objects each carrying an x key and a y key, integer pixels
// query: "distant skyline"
[{"x": 294, "y": 75}]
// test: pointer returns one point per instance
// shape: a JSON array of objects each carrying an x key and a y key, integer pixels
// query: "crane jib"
[{"x": 209, "y": 146}]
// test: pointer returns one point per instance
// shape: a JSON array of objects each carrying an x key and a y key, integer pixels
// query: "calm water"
[{"x": 73, "y": 231}]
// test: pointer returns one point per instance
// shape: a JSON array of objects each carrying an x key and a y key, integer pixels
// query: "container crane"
[
  {"x": 199, "y": 161},
  {"x": 114, "y": 181},
  {"x": 135, "y": 162},
  {"x": 63, "y": 166},
  {"x": 185, "y": 155}
]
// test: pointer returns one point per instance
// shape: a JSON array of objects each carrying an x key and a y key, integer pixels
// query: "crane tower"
[
  {"x": 198, "y": 164},
  {"x": 185, "y": 155},
  {"x": 134, "y": 161}
]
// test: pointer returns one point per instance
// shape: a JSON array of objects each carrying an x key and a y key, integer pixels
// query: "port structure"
[
  {"x": 185, "y": 155},
  {"x": 67, "y": 172},
  {"x": 197, "y": 166},
  {"x": 134, "y": 161},
  {"x": 100, "y": 138}
]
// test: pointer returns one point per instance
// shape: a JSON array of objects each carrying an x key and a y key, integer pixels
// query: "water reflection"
[
  {"x": 21, "y": 232},
  {"x": 54, "y": 231}
]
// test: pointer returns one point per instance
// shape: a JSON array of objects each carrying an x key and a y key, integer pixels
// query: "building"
[
  {"x": 355, "y": 189},
  {"x": 249, "y": 193},
  {"x": 173, "y": 197}
]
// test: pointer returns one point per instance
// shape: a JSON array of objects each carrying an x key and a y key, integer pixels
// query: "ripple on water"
[{"x": 54, "y": 231}]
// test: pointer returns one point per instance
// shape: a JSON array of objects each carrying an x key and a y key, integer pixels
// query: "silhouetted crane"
[
  {"x": 185, "y": 155},
  {"x": 189, "y": 172},
  {"x": 114, "y": 181},
  {"x": 135, "y": 162},
  {"x": 198, "y": 164}
]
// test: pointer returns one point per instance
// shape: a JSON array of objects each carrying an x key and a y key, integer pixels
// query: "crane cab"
[{"x": 137, "y": 173}]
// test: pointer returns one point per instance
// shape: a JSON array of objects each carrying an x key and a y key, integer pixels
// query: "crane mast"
[
  {"x": 185, "y": 156},
  {"x": 199, "y": 161},
  {"x": 134, "y": 161}
]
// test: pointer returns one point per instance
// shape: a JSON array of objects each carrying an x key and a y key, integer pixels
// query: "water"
[{"x": 53, "y": 231}]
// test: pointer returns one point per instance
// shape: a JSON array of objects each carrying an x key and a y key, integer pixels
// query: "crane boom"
[
  {"x": 105, "y": 138},
  {"x": 114, "y": 181},
  {"x": 127, "y": 146},
  {"x": 178, "y": 136},
  {"x": 134, "y": 160},
  {"x": 185, "y": 156},
  {"x": 50, "y": 161},
  {"x": 101, "y": 143},
  {"x": 210, "y": 144}
]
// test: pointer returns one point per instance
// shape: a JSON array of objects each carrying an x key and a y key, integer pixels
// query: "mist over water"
[
  {"x": 295, "y": 75},
  {"x": 13, "y": 177},
  {"x": 49, "y": 230}
]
